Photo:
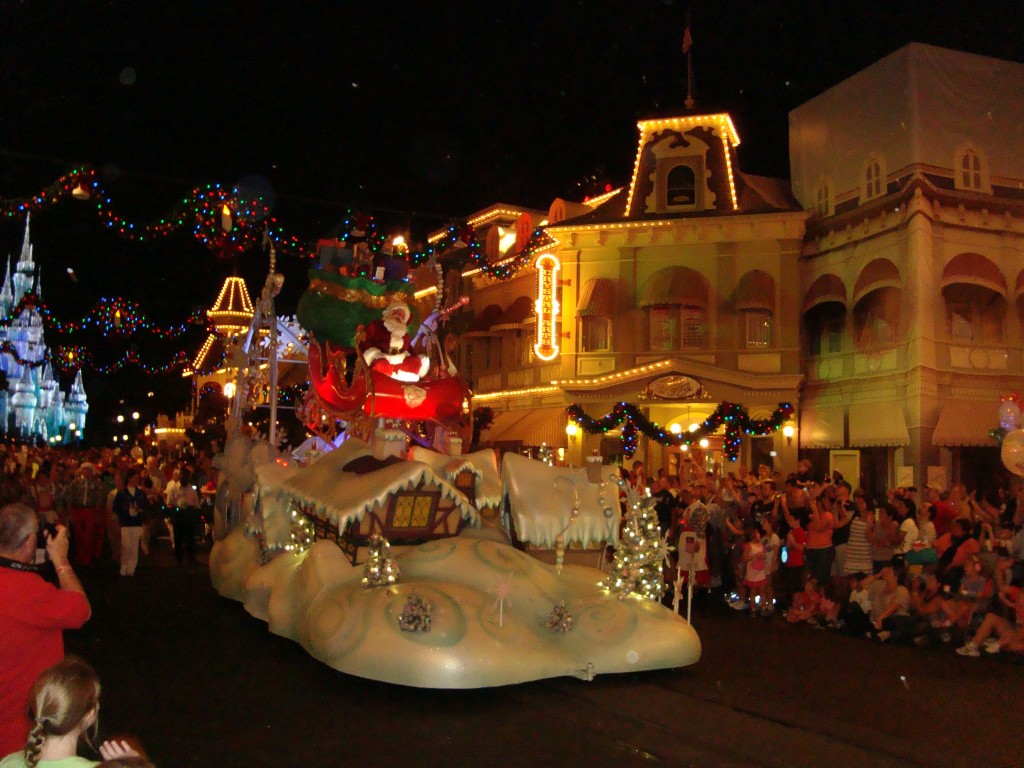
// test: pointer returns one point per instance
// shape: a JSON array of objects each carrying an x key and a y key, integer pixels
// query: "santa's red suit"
[{"x": 386, "y": 348}]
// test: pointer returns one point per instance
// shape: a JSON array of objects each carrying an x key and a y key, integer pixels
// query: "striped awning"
[
  {"x": 481, "y": 324},
  {"x": 597, "y": 299},
  {"x": 756, "y": 290},
  {"x": 512, "y": 318},
  {"x": 821, "y": 426},
  {"x": 965, "y": 423},
  {"x": 529, "y": 427},
  {"x": 676, "y": 286},
  {"x": 974, "y": 269},
  {"x": 878, "y": 424},
  {"x": 880, "y": 273},
  {"x": 827, "y": 288}
]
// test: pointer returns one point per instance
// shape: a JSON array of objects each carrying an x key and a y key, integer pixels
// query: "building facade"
[{"x": 880, "y": 291}]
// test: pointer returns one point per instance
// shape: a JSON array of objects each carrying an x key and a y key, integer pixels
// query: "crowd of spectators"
[
  {"x": 928, "y": 567},
  {"x": 58, "y": 511}
]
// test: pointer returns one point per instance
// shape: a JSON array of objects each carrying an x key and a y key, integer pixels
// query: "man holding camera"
[{"x": 33, "y": 614}]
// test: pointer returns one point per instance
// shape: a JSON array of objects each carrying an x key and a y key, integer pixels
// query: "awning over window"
[
  {"x": 974, "y": 269},
  {"x": 597, "y": 299},
  {"x": 878, "y": 424},
  {"x": 512, "y": 318},
  {"x": 487, "y": 317},
  {"x": 532, "y": 427},
  {"x": 756, "y": 290},
  {"x": 965, "y": 423},
  {"x": 676, "y": 286},
  {"x": 827, "y": 288},
  {"x": 821, "y": 427},
  {"x": 880, "y": 273}
]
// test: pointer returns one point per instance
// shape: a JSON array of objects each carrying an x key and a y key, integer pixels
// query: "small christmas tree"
[
  {"x": 636, "y": 568},
  {"x": 381, "y": 568},
  {"x": 415, "y": 616},
  {"x": 560, "y": 620}
]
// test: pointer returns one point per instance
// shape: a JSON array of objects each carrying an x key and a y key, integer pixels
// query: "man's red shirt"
[{"x": 33, "y": 617}]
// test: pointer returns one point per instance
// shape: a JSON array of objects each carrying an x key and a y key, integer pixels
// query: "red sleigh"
[{"x": 344, "y": 385}]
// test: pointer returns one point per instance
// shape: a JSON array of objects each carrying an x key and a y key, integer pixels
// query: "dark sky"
[{"x": 418, "y": 111}]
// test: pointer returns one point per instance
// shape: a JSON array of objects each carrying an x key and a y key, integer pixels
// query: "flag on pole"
[{"x": 687, "y": 40}]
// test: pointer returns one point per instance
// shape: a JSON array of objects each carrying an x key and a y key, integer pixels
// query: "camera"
[{"x": 45, "y": 528}]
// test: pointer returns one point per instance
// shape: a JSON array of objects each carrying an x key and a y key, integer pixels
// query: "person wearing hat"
[{"x": 386, "y": 347}]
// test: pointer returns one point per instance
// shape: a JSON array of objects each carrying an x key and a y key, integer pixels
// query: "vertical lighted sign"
[{"x": 547, "y": 307}]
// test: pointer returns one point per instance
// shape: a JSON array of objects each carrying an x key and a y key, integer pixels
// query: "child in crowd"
[
  {"x": 64, "y": 706},
  {"x": 997, "y": 633},
  {"x": 805, "y": 603},
  {"x": 770, "y": 542},
  {"x": 854, "y": 617},
  {"x": 756, "y": 578}
]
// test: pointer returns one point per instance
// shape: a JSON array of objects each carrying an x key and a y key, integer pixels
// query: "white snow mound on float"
[{"x": 316, "y": 599}]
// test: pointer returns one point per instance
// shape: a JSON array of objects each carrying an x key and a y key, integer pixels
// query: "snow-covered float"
[{"x": 560, "y": 514}]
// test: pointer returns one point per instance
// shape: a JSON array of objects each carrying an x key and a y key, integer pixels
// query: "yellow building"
[{"x": 880, "y": 292}]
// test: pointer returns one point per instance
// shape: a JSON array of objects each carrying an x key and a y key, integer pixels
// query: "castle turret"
[
  {"x": 24, "y": 402},
  {"x": 24, "y": 273},
  {"x": 77, "y": 405},
  {"x": 6, "y": 293}
]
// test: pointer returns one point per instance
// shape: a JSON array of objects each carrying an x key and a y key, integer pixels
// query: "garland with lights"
[
  {"x": 229, "y": 222},
  {"x": 117, "y": 316},
  {"x": 734, "y": 417}
]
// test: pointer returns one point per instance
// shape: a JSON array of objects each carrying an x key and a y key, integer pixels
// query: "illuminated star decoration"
[
  {"x": 665, "y": 549},
  {"x": 502, "y": 590}
]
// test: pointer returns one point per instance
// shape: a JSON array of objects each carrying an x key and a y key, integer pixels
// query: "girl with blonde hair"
[{"x": 63, "y": 707}]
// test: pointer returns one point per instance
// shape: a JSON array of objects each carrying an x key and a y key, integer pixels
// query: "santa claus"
[{"x": 386, "y": 347}]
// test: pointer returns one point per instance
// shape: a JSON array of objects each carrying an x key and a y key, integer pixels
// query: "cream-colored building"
[
  {"x": 879, "y": 293},
  {"x": 911, "y": 271}
]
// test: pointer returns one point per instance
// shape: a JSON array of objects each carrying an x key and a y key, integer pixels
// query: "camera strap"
[{"x": 16, "y": 565}]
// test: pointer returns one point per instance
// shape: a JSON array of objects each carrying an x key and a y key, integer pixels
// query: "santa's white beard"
[{"x": 395, "y": 326}]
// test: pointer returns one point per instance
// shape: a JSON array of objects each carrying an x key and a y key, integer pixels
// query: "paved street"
[{"x": 204, "y": 684}]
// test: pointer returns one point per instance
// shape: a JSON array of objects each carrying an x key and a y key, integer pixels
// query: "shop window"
[
  {"x": 876, "y": 317},
  {"x": 694, "y": 328},
  {"x": 494, "y": 353},
  {"x": 825, "y": 325},
  {"x": 757, "y": 328},
  {"x": 595, "y": 334},
  {"x": 980, "y": 320},
  {"x": 663, "y": 327}
]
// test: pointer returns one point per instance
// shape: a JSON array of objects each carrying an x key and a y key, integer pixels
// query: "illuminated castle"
[{"x": 33, "y": 406}]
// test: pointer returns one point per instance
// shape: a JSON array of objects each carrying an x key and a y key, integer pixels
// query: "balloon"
[
  {"x": 1009, "y": 415},
  {"x": 1013, "y": 452}
]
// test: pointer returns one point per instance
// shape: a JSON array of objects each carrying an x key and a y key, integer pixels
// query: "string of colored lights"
[
  {"x": 631, "y": 420},
  {"x": 117, "y": 316},
  {"x": 230, "y": 222},
  {"x": 71, "y": 358}
]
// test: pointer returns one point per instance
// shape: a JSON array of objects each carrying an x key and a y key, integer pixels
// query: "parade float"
[{"x": 396, "y": 557}]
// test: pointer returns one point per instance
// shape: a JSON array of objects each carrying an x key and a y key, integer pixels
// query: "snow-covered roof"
[
  {"x": 345, "y": 496},
  {"x": 483, "y": 464},
  {"x": 540, "y": 505},
  {"x": 313, "y": 443}
]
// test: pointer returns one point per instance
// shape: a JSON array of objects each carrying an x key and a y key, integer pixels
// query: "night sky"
[{"x": 420, "y": 112}]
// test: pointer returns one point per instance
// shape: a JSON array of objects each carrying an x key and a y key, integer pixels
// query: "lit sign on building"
[{"x": 547, "y": 307}]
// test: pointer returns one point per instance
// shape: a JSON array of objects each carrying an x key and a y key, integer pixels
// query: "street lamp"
[
  {"x": 120, "y": 419},
  {"x": 135, "y": 415},
  {"x": 572, "y": 429}
]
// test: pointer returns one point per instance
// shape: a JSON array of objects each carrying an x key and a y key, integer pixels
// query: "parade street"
[{"x": 202, "y": 683}]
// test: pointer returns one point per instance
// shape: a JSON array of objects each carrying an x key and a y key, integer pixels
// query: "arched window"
[
  {"x": 874, "y": 178},
  {"x": 681, "y": 186},
  {"x": 969, "y": 172}
]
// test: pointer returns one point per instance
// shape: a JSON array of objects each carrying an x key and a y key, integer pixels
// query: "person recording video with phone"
[{"x": 33, "y": 614}]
